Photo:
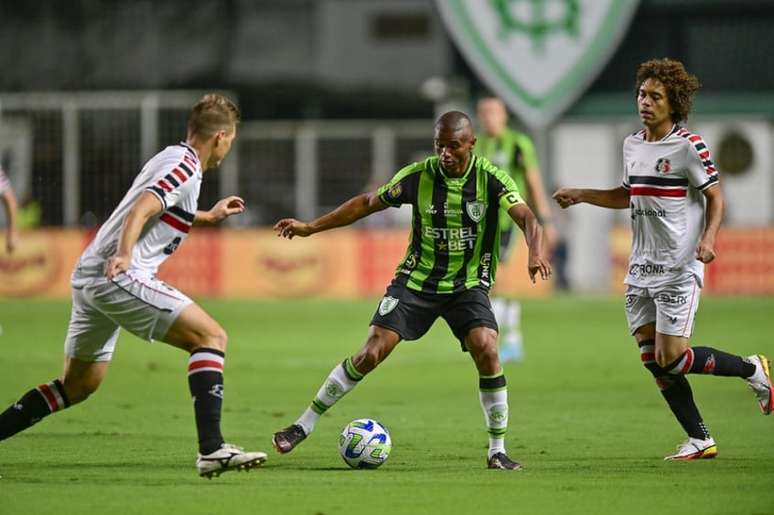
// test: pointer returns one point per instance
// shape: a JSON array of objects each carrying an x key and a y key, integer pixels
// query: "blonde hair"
[{"x": 213, "y": 113}]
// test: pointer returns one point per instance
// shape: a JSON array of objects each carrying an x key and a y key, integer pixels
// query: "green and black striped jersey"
[{"x": 455, "y": 234}]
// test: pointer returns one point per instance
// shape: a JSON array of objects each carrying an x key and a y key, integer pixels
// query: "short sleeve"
[
  {"x": 700, "y": 169},
  {"x": 402, "y": 187},
  {"x": 173, "y": 181},
  {"x": 509, "y": 195},
  {"x": 625, "y": 181},
  {"x": 503, "y": 187}
]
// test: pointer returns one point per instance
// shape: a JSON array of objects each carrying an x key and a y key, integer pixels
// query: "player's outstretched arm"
[
  {"x": 11, "y": 236},
  {"x": 222, "y": 209},
  {"x": 617, "y": 198},
  {"x": 349, "y": 212},
  {"x": 533, "y": 234},
  {"x": 147, "y": 206},
  {"x": 705, "y": 251}
]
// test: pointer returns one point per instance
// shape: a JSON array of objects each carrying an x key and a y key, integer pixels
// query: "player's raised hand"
[
  {"x": 705, "y": 251},
  {"x": 289, "y": 227},
  {"x": 539, "y": 265},
  {"x": 567, "y": 197},
  {"x": 116, "y": 265},
  {"x": 226, "y": 207}
]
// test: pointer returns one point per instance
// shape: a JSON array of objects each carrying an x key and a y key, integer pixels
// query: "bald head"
[
  {"x": 454, "y": 142},
  {"x": 455, "y": 121}
]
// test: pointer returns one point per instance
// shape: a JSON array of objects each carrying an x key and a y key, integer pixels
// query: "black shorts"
[{"x": 411, "y": 313}]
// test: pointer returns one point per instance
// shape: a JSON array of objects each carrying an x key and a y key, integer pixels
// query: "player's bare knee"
[
  {"x": 482, "y": 340},
  {"x": 482, "y": 344},
  {"x": 214, "y": 338},
  {"x": 487, "y": 359},
  {"x": 221, "y": 339}
]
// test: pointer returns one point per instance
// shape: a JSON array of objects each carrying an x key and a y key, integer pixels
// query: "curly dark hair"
[{"x": 680, "y": 85}]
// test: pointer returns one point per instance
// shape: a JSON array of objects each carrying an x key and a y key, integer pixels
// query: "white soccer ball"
[{"x": 365, "y": 444}]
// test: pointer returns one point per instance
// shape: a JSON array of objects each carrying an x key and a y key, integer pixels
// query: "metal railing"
[{"x": 77, "y": 153}]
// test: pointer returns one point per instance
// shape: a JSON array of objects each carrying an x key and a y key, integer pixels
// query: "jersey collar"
[
  {"x": 464, "y": 175},
  {"x": 674, "y": 129},
  {"x": 199, "y": 170},
  {"x": 189, "y": 147}
]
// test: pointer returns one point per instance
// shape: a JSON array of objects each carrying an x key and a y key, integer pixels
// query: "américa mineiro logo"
[{"x": 538, "y": 55}]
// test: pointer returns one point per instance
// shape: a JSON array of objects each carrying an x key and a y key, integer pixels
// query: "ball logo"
[
  {"x": 663, "y": 165},
  {"x": 365, "y": 443}
]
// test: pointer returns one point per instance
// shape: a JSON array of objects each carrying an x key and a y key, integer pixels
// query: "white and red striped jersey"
[
  {"x": 174, "y": 175},
  {"x": 665, "y": 180},
  {"x": 5, "y": 184}
]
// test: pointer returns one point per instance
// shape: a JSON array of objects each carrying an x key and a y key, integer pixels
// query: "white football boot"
[
  {"x": 760, "y": 382},
  {"x": 228, "y": 457},
  {"x": 695, "y": 449}
]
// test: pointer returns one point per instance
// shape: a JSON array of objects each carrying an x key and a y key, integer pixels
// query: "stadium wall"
[
  {"x": 354, "y": 263},
  {"x": 244, "y": 263}
]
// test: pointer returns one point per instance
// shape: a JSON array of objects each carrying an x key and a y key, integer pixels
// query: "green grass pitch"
[{"x": 586, "y": 419}]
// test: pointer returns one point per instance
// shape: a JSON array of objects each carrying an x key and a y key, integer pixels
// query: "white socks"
[
  {"x": 336, "y": 385},
  {"x": 493, "y": 395}
]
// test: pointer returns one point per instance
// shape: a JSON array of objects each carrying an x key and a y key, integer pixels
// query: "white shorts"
[
  {"x": 146, "y": 307},
  {"x": 672, "y": 307}
]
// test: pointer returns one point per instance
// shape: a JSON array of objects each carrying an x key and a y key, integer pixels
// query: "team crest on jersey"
[
  {"x": 663, "y": 165},
  {"x": 387, "y": 304},
  {"x": 394, "y": 192},
  {"x": 475, "y": 210}
]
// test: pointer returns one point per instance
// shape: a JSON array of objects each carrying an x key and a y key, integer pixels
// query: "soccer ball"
[{"x": 365, "y": 444}]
